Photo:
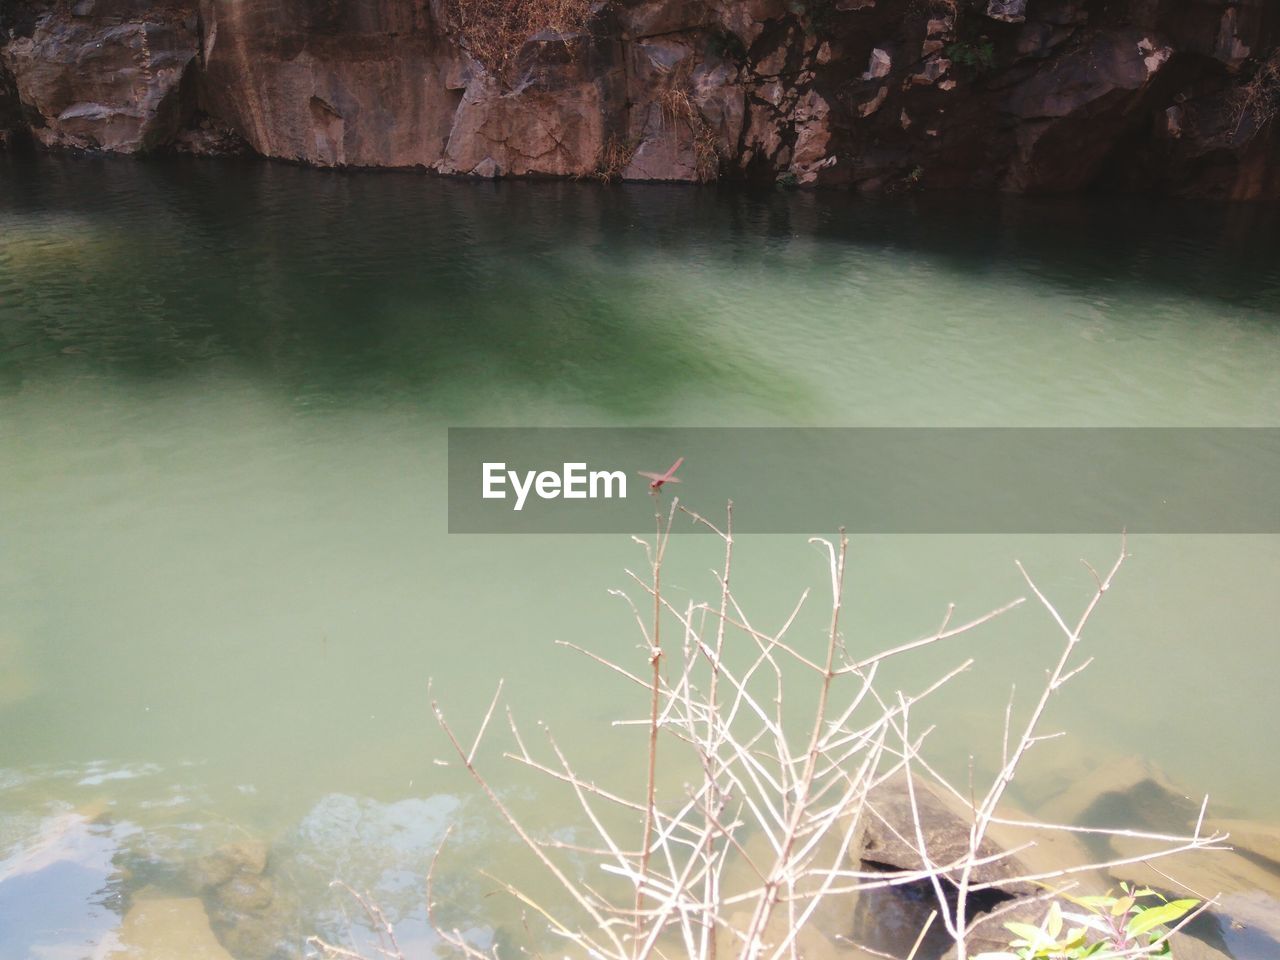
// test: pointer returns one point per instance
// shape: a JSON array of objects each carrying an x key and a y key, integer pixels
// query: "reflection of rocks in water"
[{"x": 61, "y": 889}]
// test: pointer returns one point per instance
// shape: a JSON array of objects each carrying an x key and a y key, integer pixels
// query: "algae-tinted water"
[{"x": 224, "y": 573}]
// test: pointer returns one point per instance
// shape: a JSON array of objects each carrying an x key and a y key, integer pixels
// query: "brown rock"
[
  {"x": 1229, "y": 48},
  {"x": 933, "y": 69},
  {"x": 377, "y": 86},
  {"x": 763, "y": 137},
  {"x": 773, "y": 63},
  {"x": 878, "y": 66},
  {"x": 532, "y": 130},
  {"x": 746, "y": 19},
  {"x": 102, "y": 85},
  {"x": 872, "y": 105},
  {"x": 813, "y": 135},
  {"x": 1083, "y": 95},
  {"x": 656, "y": 18},
  {"x": 940, "y": 28},
  {"x": 945, "y": 822},
  {"x": 1100, "y": 80}
]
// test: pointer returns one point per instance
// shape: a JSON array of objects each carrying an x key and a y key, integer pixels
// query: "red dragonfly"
[{"x": 656, "y": 480}]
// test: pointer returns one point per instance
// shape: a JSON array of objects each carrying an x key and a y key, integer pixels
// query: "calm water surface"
[{"x": 224, "y": 573}]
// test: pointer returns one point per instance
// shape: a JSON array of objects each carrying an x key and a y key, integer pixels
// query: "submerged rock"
[
  {"x": 244, "y": 857},
  {"x": 1126, "y": 792},
  {"x": 890, "y": 831},
  {"x": 1258, "y": 842},
  {"x": 1184, "y": 947},
  {"x": 165, "y": 929},
  {"x": 243, "y": 905}
]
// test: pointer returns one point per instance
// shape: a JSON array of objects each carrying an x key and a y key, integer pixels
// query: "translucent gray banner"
[{"x": 869, "y": 480}]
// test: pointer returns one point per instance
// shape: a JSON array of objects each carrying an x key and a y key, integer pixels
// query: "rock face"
[
  {"x": 108, "y": 80},
  {"x": 1027, "y": 96}
]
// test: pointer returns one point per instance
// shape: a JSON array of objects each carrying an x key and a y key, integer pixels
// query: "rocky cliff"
[{"x": 1173, "y": 96}]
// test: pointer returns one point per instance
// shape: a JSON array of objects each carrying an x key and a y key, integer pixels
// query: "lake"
[{"x": 225, "y": 571}]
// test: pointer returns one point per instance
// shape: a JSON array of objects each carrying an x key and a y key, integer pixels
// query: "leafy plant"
[
  {"x": 1134, "y": 924},
  {"x": 978, "y": 55}
]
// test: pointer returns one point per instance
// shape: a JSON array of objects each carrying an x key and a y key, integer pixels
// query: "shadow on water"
[
  {"x": 382, "y": 285},
  {"x": 368, "y": 285}
]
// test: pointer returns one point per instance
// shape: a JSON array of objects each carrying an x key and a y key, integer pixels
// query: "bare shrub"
[{"x": 765, "y": 831}]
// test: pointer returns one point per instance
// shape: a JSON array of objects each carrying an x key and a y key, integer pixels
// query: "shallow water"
[{"x": 224, "y": 572}]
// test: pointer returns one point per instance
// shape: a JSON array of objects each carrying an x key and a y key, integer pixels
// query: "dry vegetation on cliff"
[
  {"x": 1257, "y": 100},
  {"x": 494, "y": 31}
]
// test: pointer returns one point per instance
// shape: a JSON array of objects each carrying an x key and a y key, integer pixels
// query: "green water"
[{"x": 224, "y": 573}]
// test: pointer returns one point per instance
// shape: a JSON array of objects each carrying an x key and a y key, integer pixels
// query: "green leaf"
[
  {"x": 1122, "y": 906},
  {"x": 1074, "y": 938},
  {"x": 1053, "y": 922},
  {"x": 1025, "y": 931},
  {"x": 1156, "y": 916}
]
